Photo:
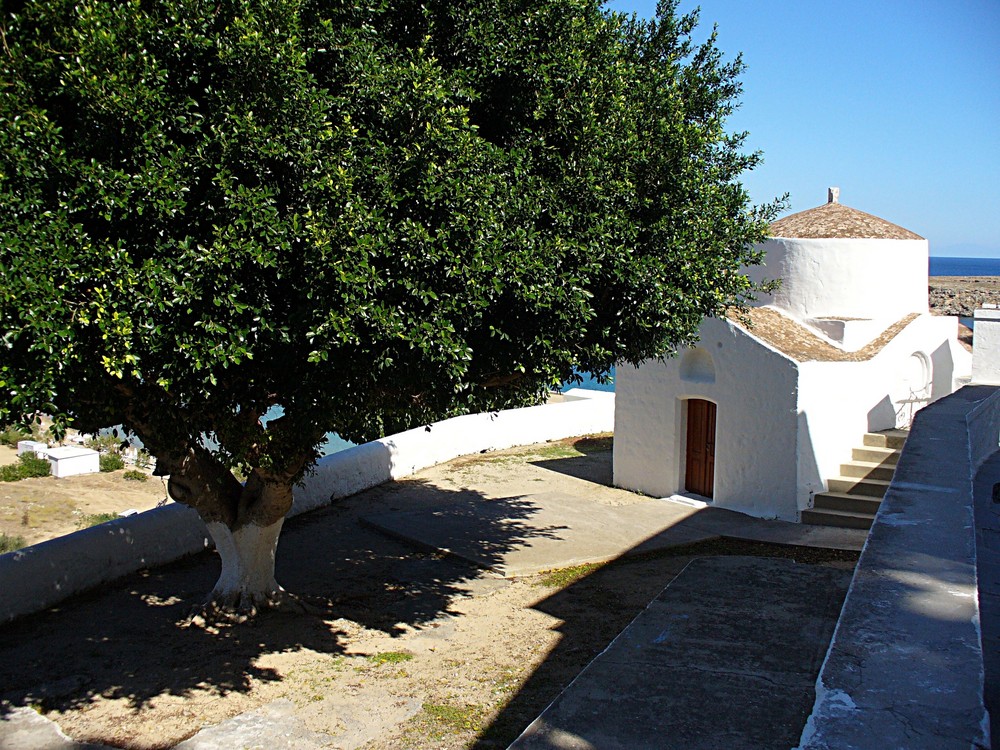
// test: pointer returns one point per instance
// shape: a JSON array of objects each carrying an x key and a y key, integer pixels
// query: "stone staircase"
[{"x": 852, "y": 499}]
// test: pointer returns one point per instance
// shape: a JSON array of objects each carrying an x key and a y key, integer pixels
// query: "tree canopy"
[{"x": 371, "y": 214}]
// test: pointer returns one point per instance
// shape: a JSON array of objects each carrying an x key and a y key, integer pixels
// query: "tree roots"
[{"x": 222, "y": 610}]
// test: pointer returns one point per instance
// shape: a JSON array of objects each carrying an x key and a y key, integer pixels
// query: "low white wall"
[
  {"x": 396, "y": 456},
  {"x": 42, "y": 575}
]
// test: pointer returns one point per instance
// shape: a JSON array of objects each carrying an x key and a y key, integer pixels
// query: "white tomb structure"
[
  {"x": 32, "y": 446},
  {"x": 70, "y": 461},
  {"x": 763, "y": 409}
]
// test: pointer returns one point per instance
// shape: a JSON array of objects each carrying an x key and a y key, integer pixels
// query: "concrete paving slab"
[
  {"x": 558, "y": 529},
  {"x": 271, "y": 727},
  {"x": 279, "y": 725},
  {"x": 726, "y": 656},
  {"x": 25, "y": 729}
]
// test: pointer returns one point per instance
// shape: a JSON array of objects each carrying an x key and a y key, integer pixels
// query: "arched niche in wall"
[{"x": 697, "y": 366}]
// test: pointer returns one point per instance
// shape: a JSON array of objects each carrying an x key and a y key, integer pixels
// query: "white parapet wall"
[
  {"x": 44, "y": 574},
  {"x": 32, "y": 446},
  {"x": 986, "y": 347},
  {"x": 397, "y": 456}
]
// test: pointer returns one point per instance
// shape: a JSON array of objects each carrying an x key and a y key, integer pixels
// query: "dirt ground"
[
  {"x": 413, "y": 650},
  {"x": 45, "y": 507}
]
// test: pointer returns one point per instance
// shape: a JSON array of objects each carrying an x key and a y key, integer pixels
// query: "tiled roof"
[
  {"x": 794, "y": 340},
  {"x": 837, "y": 220}
]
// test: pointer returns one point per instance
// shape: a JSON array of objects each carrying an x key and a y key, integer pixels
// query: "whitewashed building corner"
[{"x": 767, "y": 406}]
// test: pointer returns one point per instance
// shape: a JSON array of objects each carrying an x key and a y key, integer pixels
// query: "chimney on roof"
[{"x": 833, "y": 195}]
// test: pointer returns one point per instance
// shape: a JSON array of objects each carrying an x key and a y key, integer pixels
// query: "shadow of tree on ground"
[{"x": 128, "y": 640}]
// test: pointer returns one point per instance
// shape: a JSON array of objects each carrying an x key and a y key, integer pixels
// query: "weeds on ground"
[
  {"x": 96, "y": 519},
  {"x": 11, "y": 435},
  {"x": 103, "y": 443},
  {"x": 390, "y": 657},
  {"x": 557, "y": 579},
  {"x": 446, "y": 718},
  {"x": 11, "y": 543},
  {"x": 134, "y": 475}
]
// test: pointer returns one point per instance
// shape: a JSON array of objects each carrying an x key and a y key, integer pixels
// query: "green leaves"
[{"x": 375, "y": 215}]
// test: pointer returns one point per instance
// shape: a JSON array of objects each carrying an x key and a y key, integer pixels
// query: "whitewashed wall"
[
  {"x": 396, "y": 456},
  {"x": 756, "y": 424},
  {"x": 783, "y": 428},
  {"x": 853, "y": 278},
  {"x": 841, "y": 401},
  {"x": 986, "y": 353},
  {"x": 44, "y": 574}
]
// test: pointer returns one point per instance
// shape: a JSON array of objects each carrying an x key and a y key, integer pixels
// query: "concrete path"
[
  {"x": 725, "y": 657},
  {"x": 569, "y": 529}
]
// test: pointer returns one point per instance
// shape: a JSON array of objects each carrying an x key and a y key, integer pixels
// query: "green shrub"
[
  {"x": 11, "y": 543},
  {"x": 111, "y": 462},
  {"x": 10, "y": 473},
  {"x": 12, "y": 434},
  {"x": 33, "y": 466},
  {"x": 142, "y": 459},
  {"x": 134, "y": 475},
  {"x": 103, "y": 443},
  {"x": 28, "y": 465}
]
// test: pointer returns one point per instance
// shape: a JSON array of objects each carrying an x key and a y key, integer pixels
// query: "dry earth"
[
  {"x": 45, "y": 507},
  {"x": 414, "y": 650}
]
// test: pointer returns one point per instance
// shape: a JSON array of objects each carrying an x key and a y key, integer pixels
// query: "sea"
[{"x": 964, "y": 267}]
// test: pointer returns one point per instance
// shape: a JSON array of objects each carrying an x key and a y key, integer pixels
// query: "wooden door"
[{"x": 700, "y": 470}]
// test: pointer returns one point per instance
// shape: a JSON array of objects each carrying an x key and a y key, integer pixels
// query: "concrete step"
[
  {"x": 886, "y": 439},
  {"x": 868, "y": 470},
  {"x": 846, "y": 502},
  {"x": 874, "y": 454},
  {"x": 856, "y": 486},
  {"x": 843, "y": 519}
]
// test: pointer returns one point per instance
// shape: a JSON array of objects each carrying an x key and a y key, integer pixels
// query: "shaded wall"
[{"x": 905, "y": 667}]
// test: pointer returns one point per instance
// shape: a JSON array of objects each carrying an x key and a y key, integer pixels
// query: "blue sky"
[{"x": 897, "y": 102}]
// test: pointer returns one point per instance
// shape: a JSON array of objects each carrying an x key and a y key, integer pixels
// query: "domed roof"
[{"x": 833, "y": 219}]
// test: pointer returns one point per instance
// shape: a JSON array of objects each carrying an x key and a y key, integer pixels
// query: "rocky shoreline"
[{"x": 961, "y": 295}]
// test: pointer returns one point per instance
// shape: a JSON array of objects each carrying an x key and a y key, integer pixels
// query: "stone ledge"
[{"x": 905, "y": 668}]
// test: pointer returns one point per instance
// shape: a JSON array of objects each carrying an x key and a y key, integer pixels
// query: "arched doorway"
[{"x": 699, "y": 474}]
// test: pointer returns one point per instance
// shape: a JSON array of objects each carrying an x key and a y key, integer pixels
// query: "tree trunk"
[
  {"x": 247, "y": 581},
  {"x": 245, "y": 521}
]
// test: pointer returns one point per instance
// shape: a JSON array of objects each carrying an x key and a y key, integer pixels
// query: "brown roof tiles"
[
  {"x": 838, "y": 221},
  {"x": 796, "y": 341}
]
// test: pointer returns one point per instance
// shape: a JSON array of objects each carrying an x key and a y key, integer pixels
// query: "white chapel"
[{"x": 763, "y": 411}]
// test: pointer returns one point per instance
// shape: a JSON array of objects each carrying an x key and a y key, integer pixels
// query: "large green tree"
[{"x": 371, "y": 214}]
